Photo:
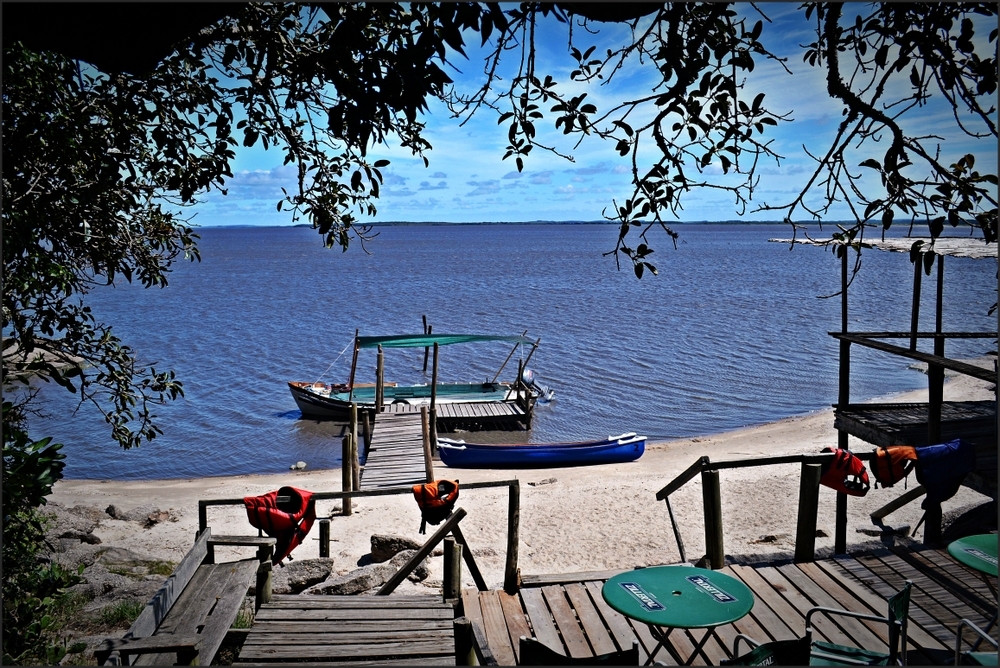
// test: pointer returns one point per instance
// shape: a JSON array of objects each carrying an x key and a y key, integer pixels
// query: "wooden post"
[
  {"x": 918, "y": 268},
  {"x": 355, "y": 462},
  {"x": 426, "y": 431},
  {"x": 427, "y": 331},
  {"x": 262, "y": 590},
  {"x": 433, "y": 411},
  {"x": 464, "y": 653},
  {"x": 932, "y": 524},
  {"x": 354, "y": 367},
  {"x": 452, "y": 586},
  {"x": 714, "y": 547},
  {"x": 347, "y": 477},
  {"x": 379, "y": 381},
  {"x": 511, "y": 577},
  {"x": 843, "y": 400},
  {"x": 805, "y": 532},
  {"x": 366, "y": 431},
  {"x": 324, "y": 538},
  {"x": 935, "y": 373}
]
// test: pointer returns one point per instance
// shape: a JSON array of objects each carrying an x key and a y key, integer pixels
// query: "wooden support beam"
[
  {"x": 470, "y": 560},
  {"x": 805, "y": 531},
  {"x": 422, "y": 553},
  {"x": 897, "y": 503},
  {"x": 714, "y": 547},
  {"x": 511, "y": 578},
  {"x": 677, "y": 531}
]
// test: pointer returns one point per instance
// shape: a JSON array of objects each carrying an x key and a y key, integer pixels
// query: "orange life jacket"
[
  {"x": 846, "y": 473},
  {"x": 893, "y": 463},
  {"x": 436, "y": 500},
  {"x": 287, "y": 521}
]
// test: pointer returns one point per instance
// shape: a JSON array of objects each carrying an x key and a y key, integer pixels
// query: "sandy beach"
[{"x": 572, "y": 519}]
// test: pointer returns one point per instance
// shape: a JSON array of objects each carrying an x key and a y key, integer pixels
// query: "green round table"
[
  {"x": 978, "y": 553},
  {"x": 683, "y": 597}
]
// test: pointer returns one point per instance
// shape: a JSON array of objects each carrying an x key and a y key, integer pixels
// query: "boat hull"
[
  {"x": 326, "y": 403},
  {"x": 612, "y": 450}
]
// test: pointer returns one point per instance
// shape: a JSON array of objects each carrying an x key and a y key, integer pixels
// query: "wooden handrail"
[
  {"x": 965, "y": 368},
  {"x": 713, "y": 510},
  {"x": 511, "y": 574}
]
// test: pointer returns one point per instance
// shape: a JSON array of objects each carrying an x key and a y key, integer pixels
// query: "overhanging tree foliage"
[{"x": 99, "y": 166}]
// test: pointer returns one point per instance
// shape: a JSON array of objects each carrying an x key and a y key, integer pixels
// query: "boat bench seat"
[{"x": 186, "y": 621}]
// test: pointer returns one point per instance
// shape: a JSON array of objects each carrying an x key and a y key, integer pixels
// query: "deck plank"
[
  {"x": 496, "y": 628},
  {"x": 517, "y": 623},
  {"x": 565, "y": 620},
  {"x": 543, "y": 629},
  {"x": 590, "y": 619}
]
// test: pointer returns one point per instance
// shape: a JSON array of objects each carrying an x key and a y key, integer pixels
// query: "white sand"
[{"x": 590, "y": 518}]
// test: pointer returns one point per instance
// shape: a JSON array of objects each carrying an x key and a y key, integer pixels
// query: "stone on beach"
[
  {"x": 386, "y": 546},
  {"x": 298, "y": 575},
  {"x": 370, "y": 577}
]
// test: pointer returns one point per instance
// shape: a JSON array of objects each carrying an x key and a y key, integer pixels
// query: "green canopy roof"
[{"x": 424, "y": 340}]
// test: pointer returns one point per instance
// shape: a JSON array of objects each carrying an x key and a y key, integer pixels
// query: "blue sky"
[{"x": 467, "y": 181}]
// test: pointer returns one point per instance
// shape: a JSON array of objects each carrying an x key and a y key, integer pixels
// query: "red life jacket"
[
  {"x": 436, "y": 500},
  {"x": 846, "y": 473},
  {"x": 288, "y": 521},
  {"x": 893, "y": 463}
]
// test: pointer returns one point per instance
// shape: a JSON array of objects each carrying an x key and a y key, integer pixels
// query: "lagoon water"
[{"x": 732, "y": 332}]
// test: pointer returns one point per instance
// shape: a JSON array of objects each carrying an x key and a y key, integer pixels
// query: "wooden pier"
[
  {"x": 469, "y": 416},
  {"x": 396, "y": 455}
]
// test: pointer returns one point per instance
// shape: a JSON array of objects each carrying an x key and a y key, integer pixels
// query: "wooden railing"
[
  {"x": 805, "y": 533},
  {"x": 511, "y": 573}
]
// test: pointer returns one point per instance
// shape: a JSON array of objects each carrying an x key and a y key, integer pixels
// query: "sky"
[{"x": 468, "y": 181}]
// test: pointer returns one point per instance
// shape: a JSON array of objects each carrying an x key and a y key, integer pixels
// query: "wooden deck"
[
  {"x": 351, "y": 630},
  {"x": 569, "y": 613},
  {"x": 469, "y": 416},
  {"x": 396, "y": 455}
]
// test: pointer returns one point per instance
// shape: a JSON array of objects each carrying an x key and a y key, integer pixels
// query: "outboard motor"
[{"x": 544, "y": 394}]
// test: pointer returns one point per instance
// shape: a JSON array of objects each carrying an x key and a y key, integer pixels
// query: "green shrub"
[{"x": 122, "y": 613}]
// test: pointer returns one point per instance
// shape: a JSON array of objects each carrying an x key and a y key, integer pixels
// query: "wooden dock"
[
  {"x": 396, "y": 455},
  {"x": 351, "y": 630},
  {"x": 568, "y": 612},
  {"x": 469, "y": 416}
]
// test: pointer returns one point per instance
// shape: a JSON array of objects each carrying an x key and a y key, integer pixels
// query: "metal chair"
[
  {"x": 973, "y": 657},
  {"x": 822, "y": 653},
  {"x": 776, "y": 653},
  {"x": 534, "y": 653}
]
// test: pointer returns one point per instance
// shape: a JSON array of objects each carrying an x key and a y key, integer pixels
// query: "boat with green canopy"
[{"x": 333, "y": 401}]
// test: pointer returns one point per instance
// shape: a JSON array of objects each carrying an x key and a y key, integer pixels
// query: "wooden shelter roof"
[{"x": 952, "y": 246}]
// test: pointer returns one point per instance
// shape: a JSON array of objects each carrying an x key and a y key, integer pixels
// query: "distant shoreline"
[{"x": 396, "y": 223}]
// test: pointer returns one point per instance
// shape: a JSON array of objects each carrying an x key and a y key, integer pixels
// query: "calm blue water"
[{"x": 730, "y": 334}]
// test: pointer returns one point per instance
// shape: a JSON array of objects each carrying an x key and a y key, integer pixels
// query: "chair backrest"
[
  {"x": 777, "y": 653},
  {"x": 896, "y": 616},
  {"x": 534, "y": 653}
]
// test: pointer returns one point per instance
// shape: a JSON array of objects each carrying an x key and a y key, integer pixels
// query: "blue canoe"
[{"x": 612, "y": 450}]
